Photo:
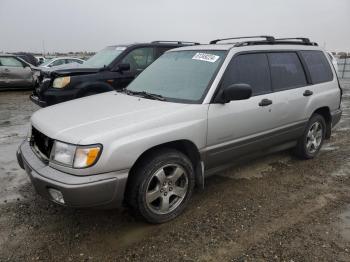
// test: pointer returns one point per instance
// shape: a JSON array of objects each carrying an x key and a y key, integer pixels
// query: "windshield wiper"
[{"x": 143, "y": 94}]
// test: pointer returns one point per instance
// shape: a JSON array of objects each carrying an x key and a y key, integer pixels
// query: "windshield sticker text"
[{"x": 206, "y": 57}]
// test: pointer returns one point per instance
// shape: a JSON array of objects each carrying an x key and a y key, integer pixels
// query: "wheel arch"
[{"x": 184, "y": 146}]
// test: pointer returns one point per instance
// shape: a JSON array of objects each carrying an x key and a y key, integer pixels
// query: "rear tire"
[
  {"x": 161, "y": 186},
  {"x": 310, "y": 143}
]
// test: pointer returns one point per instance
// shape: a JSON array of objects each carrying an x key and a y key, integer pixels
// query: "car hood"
[
  {"x": 69, "y": 70},
  {"x": 91, "y": 119}
]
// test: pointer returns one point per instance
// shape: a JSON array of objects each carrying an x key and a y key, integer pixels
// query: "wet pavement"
[{"x": 275, "y": 208}]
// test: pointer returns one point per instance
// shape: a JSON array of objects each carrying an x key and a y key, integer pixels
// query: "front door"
[{"x": 239, "y": 127}]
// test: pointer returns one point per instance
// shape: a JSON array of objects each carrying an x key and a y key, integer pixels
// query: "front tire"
[
  {"x": 161, "y": 186},
  {"x": 311, "y": 142}
]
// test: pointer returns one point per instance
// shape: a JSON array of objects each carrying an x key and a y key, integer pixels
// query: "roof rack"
[
  {"x": 176, "y": 42},
  {"x": 304, "y": 40},
  {"x": 268, "y": 40},
  {"x": 266, "y": 37}
]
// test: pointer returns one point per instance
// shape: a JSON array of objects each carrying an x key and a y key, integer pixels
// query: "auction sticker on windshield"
[{"x": 206, "y": 57}]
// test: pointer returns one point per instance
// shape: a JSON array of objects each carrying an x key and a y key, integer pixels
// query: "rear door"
[
  {"x": 325, "y": 88},
  {"x": 15, "y": 73},
  {"x": 240, "y": 127},
  {"x": 289, "y": 84}
]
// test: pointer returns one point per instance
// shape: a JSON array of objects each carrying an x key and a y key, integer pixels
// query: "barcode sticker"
[{"x": 206, "y": 57}]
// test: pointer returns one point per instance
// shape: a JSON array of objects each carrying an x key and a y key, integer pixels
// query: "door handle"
[
  {"x": 308, "y": 93},
  {"x": 265, "y": 102}
]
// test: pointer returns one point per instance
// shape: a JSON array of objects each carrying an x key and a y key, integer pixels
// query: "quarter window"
[
  {"x": 252, "y": 69},
  {"x": 318, "y": 66},
  {"x": 286, "y": 71}
]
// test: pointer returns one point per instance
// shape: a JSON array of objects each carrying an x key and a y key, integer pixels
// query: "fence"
[{"x": 344, "y": 67}]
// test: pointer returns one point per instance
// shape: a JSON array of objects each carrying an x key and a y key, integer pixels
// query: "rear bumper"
[
  {"x": 102, "y": 190},
  {"x": 336, "y": 115}
]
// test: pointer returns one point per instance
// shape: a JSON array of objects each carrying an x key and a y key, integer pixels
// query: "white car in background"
[{"x": 60, "y": 61}]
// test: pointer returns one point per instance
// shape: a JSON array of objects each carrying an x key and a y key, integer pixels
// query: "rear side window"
[
  {"x": 318, "y": 66},
  {"x": 286, "y": 71},
  {"x": 252, "y": 69}
]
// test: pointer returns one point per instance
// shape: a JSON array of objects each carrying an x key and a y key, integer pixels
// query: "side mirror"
[
  {"x": 236, "y": 92},
  {"x": 122, "y": 68}
]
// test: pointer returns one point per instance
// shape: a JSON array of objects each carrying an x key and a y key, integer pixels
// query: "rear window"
[
  {"x": 318, "y": 66},
  {"x": 286, "y": 71}
]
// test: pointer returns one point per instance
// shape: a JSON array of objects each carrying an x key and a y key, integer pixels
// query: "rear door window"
[
  {"x": 318, "y": 66},
  {"x": 252, "y": 69},
  {"x": 286, "y": 71}
]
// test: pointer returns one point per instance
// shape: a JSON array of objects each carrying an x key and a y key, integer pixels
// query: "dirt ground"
[{"x": 275, "y": 208}]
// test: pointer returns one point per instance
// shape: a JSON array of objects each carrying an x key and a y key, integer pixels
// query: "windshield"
[
  {"x": 180, "y": 75},
  {"x": 104, "y": 57}
]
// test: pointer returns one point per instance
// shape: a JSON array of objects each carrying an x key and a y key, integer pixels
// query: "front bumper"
[
  {"x": 102, "y": 190},
  {"x": 36, "y": 100}
]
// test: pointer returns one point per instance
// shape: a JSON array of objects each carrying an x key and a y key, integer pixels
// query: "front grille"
[{"x": 41, "y": 143}]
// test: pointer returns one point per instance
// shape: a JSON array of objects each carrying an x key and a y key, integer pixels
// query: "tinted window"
[
  {"x": 10, "y": 61},
  {"x": 286, "y": 71},
  {"x": 318, "y": 66},
  {"x": 252, "y": 69},
  {"x": 139, "y": 58}
]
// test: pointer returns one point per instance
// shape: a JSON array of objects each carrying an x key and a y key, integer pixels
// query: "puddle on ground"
[{"x": 344, "y": 224}]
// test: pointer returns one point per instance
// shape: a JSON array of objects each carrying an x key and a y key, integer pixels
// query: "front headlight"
[
  {"x": 61, "y": 82},
  {"x": 63, "y": 153},
  {"x": 75, "y": 156}
]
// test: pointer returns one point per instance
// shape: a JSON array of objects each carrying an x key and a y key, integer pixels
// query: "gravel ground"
[{"x": 275, "y": 208}]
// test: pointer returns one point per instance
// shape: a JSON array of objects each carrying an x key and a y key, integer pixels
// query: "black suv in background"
[{"x": 112, "y": 68}]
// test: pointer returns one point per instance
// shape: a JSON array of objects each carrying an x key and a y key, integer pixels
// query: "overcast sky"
[{"x": 79, "y": 25}]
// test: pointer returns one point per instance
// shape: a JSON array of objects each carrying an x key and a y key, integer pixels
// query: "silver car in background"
[
  {"x": 60, "y": 61},
  {"x": 193, "y": 112},
  {"x": 16, "y": 73}
]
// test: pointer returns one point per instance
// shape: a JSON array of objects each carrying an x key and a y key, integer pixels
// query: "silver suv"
[{"x": 194, "y": 111}]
